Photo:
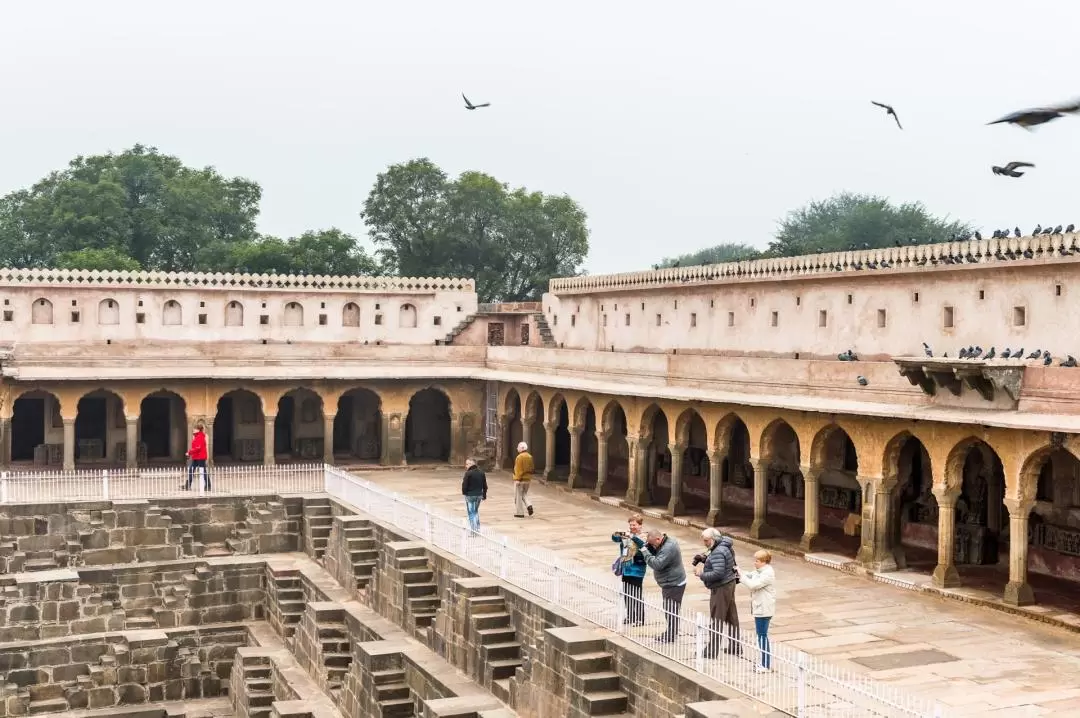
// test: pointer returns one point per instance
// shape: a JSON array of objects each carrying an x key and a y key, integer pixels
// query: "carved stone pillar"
[
  {"x": 716, "y": 489},
  {"x": 575, "y": 456},
  {"x": 1018, "y": 591},
  {"x": 132, "y": 441},
  {"x": 526, "y": 436},
  {"x": 268, "y": 440},
  {"x": 945, "y": 574},
  {"x": 328, "y": 438},
  {"x": 500, "y": 441},
  {"x": 69, "y": 444},
  {"x": 209, "y": 441},
  {"x": 675, "y": 503},
  {"x": 811, "y": 539},
  {"x": 760, "y": 528},
  {"x": 876, "y": 550},
  {"x": 636, "y": 467},
  {"x": 549, "y": 448},
  {"x": 601, "y": 461},
  {"x": 393, "y": 440},
  {"x": 5, "y": 442}
]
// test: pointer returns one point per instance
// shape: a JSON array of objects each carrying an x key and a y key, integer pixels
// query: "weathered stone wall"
[
  {"x": 35, "y": 537},
  {"x": 104, "y": 670}
]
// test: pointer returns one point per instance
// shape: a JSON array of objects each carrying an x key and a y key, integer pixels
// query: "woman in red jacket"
[{"x": 197, "y": 454}]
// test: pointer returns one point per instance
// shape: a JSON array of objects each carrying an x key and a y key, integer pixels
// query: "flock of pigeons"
[
  {"x": 1021, "y": 118},
  {"x": 976, "y": 352}
]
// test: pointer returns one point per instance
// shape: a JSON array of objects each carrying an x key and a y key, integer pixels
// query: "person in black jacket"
[{"x": 474, "y": 489}]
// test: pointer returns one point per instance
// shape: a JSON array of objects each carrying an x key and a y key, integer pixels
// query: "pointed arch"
[
  {"x": 108, "y": 311},
  {"x": 832, "y": 447},
  {"x": 648, "y": 421},
  {"x": 239, "y": 426},
  {"x": 581, "y": 410},
  {"x": 37, "y": 429},
  {"x": 358, "y": 424},
  {"x": 776, "y": 438},
  {"x": 427, "y": 427},
  {"x": 534, "y": 407},
  {"x": 683, "y": 424},
  {"x": 234, "y": 314},
  {"x": 612, "y": 414}
]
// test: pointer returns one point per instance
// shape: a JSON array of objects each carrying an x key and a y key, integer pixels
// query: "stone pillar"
[
  {"x": 526, "y": 436},
  {"x": 209, "y": 422},
  {"x": 760, "y": 528},
  {"x": 393, "y": 439},
  {"x": 459, "y": 447},
  {"x": 500, "y": 441},
  {"x": 5, "y": 442},
  {"x": 268, "y": 440},
  {"x": 716, "y": 489},
  {"x": 675, "y": 503},
  {"x": 601, "y": 461},
  {"x": 575, "y": 455},
  {"x": 875, "y": 551},
  {"x": 549, "y": 448},
  {"x": 811, "y": 538},
  {"x": 1018, "y": 591},
  {"x": 636, "y": 467},
  {"x": 328, "y": 438},
  {"x": 69, "y": 444},
  {"x": 132, "y": 442},
  {"x": 945, "y": 574}
]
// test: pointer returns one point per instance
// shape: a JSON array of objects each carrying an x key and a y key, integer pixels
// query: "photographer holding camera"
[
  {"x": 717, "y": 570},
  {"x": 630, "y": 565}
]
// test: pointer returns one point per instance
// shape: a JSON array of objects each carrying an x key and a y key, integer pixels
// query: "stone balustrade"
[{"x": 910, "y": 258}]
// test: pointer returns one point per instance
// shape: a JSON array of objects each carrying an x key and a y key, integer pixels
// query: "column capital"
[
  {"x": 550, "y": 426},
  {"x": 601, "y": 436},
  {"x": 131, "y": 419},
  {"x": 676, "y": 447},
  {"x": 1019, "y": 507},
  {"x": 946, "y": 495},
  {"x": 811, "y": 473},
  {"x": 881, "y": 484},
  {"x": 576, "y": 429}
]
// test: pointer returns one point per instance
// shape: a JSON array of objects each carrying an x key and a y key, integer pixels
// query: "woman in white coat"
[{"x": 762, "y": 584}]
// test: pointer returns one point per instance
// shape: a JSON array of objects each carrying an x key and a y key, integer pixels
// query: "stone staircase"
[
  {"x": 258, "y": 687},
  {"x": 318, "y": 520},
  {"x": 594, "y": 685},
  {"x": 462, "y": 326},
  {"x": 288, "y": 598},
  {"x": 547, "y": 339},
  {"x": 360, "y": 541},
  {"x": 421, "y": 593},
  {"x": 493, "y": 633},
  {"x": 393, "y": 695},
  {"x": 336, "y": 650}
]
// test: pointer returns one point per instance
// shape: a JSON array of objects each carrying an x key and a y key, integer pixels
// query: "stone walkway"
[{"x": 973, "y": 660}]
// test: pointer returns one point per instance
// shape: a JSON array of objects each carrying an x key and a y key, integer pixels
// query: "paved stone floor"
[{"x": 973, "y": 660}]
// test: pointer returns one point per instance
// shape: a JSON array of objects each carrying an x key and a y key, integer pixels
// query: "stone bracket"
[{"x": 952, "y": 374}]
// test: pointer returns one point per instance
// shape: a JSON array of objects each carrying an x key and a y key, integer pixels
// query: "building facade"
[{"x": 710, "y": 392}]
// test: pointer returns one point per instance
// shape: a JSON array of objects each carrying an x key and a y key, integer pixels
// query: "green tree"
[
  {"x": 106, "y": 259},
  {"x": 511, "y": 241},
  {"x": 725, "y": 252},
  {"x": 140, "y": 204},
  {"x": 855, "y": 221},
  {"x": 327, "y": 252}
]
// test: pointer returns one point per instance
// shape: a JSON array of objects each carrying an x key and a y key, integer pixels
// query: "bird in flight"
[
  {"x": 471, "y": 106},
  {"x": 889, "y": 111},
  {"x": 1009, "y": 170},
  {"x": 1038, "y": 115}
]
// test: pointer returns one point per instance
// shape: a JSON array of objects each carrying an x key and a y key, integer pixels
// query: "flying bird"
[
  {"x": 1009, "y": 170},
  {"x": 471, "y": 106},
  {"x": 889, "y": 111},
  {"x": 1038, "y": 115}
]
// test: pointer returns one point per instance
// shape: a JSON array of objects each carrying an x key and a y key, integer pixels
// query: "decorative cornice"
[
  {"x": 998, "y": 252},
  {"x": 201, "y": 280}
]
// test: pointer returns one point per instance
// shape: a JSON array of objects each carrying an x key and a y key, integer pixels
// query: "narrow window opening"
[
  {"x": 322, "y": 320},
  {"x": 140, "y": 318},
  {"x": 437, "y": 320},
  {"x": 776, "y": 319},
  {"x": 881, "y": 318},
  {"x": 659, "y": 320},
  {"x": 627, "y": 320},
  {"x": 850, "y": 297},
  {"x": 731, "y": 319},
  {"x": 573, "y": 320},
  {"x": 822, "y": 318},
  {"x": 948, "y": 317},
  {"x": 1057, "y": 290},
  {"x": 264, "y": 319},
  {"x": 378, "y": 318},
  {"x": 915, "y": 297},
  {"x": 1019, "y": 316},
  {"x": 74, "y": 317},
  {"x": 982, "y": 294},
  {"x": 202, "y": 319},
  {"x": 693, "y": 319}
]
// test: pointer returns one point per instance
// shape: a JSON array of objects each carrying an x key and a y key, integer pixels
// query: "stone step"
[
  {"x": 424, "y": 603},
  {"x": 260, "y": 712},
  {"x": 235, "y": 545},
  {"x": 417, "y": 575},
  {"x": 52, "y": 705},
  {"x": 40, "y": 564},
  {"x": 405, "y": 562},
  {"x": 256, "y": 673},
  {"x": 333, "y": 646},
  {"x": 337, "y": 660},
  {"x": 216, "y": 549},
  {"x": 362, "y": 554},
  {"x": 258, "y": 699},
  {"x": 292, "y": 606},
  {"x": 317, "y": 510},
  {"x": 392, "y": 691},
  {"x": 424, "y": 618},
  {"x": 332, "y": 631},
  {"x": 290, "y": 594},
  {"x": 416, "y": 590},
  {"x": 500, "y": 651},
  {"x": 487, "y": 604},
  {"x": 363, "y": 568},
  {"x": 397, "y": 708},
  {"x": 139, "y": 623},
  {"x": 501, "y": 689},
  {"x": 254, "y": 685},
  {"x": 603, "y": 681},
  {"x": 604, "y": 703},
  {"x": 486, "y": 621},
  {"x": 504, "y": 667},
  {"x": 392, "y": 675},
  {"x": 590, "y": 662},
  {"x": 496, "y": 635}
]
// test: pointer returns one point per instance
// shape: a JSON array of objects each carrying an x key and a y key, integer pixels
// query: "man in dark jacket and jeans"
[
  {"x": 663, "y": 556},
  {"x": 719, "y": 574},
  {"x": 474, "y": 489}
]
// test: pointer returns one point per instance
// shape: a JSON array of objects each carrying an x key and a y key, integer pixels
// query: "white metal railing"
[
  {"x": 796, "y": 682},
  {"x": 143, "y": 483}
]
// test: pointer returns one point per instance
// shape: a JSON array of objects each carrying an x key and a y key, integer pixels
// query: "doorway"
[
  {"x": 157, "y": 427},
  {"x": 27, "y": 427},
  {"x": 283, "y": 426},
  {"x": 223, "y": 428}
]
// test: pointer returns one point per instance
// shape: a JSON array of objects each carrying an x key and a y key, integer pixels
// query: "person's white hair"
[
  {"x": 469, "y": 463},
  {"x": 711, "y": 533},
  {"x": 522, "y": 446}
]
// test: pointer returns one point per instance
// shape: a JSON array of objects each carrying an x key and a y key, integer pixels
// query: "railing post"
[
  {"x": 3, "y": 488},
  {"x": 105, "y": 484},
  {"x": 699, "y": 641},
  {"x": 504, "y": 559},
  {"x": 464, "y": 535},
  {"x": 427, "y": 527},
  {"x": 556, "y": 594},
  {"x": 800, "y": 669},
  {"x": 620, "y": 610}
]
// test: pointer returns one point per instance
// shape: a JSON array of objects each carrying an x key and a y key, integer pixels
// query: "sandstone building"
[{"x": 708, "y": 391}]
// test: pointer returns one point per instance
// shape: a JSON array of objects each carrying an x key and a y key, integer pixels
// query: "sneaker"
[
  {"x": 519, "y": 516},
  {"x": 760, "y": 669},
  {"x": 664, "y": 638},
  {"x": 530, "y": 510}
]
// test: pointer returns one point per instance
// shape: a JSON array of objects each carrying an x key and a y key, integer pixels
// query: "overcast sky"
[{"x": 675, "y": 126}]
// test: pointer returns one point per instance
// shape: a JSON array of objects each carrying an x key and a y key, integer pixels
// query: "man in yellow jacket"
[{"x": 523, "y": 471}]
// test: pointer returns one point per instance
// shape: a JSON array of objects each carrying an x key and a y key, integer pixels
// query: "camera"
[{"x": 698, "y": 558}]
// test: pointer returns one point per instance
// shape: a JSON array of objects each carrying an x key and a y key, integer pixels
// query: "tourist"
[
  {"x": 718, "y": 572},
  {"x": 762, "y": 584},
  {"x": 474, "y": 488},
  {"x": 663, "y": 556},
  {"x": 631, "y": 567},
  {"x": 198, "y": 455},
  {"x": 523, "y": 471}
]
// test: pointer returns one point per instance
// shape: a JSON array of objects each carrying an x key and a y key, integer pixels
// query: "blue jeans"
[
  {"x": 761, "y": 626},
  {"x": 198, "y": 465},
  {"x": 472, "y": 507}
]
